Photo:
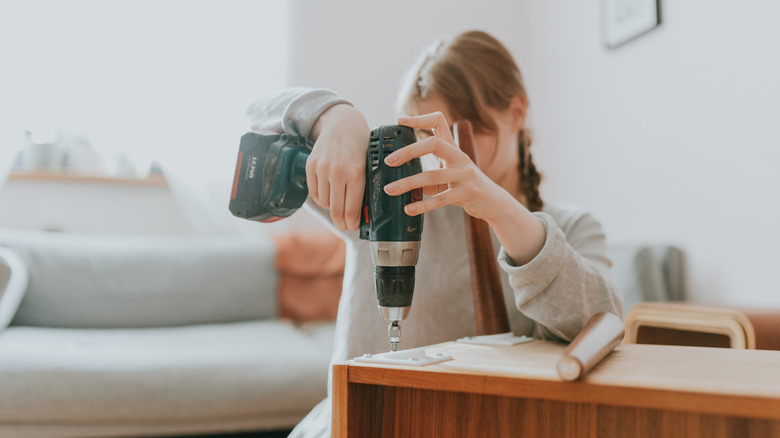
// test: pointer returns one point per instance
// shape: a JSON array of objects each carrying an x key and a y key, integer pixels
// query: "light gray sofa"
[{"x": 128, "y": 336}]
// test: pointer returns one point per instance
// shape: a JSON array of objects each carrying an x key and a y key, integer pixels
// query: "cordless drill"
[{"x": 270, "y": 184}]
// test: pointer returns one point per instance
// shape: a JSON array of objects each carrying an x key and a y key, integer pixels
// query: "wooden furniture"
[
  {"x": 489, "y": 306},
  {"x": 703, "y": 325},
  {"x": 489, "y": 391}
]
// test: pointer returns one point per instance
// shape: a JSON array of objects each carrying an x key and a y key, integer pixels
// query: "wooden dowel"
[
  {"x": 489, "y": 305},
  {"x": 603, "y": 332}
]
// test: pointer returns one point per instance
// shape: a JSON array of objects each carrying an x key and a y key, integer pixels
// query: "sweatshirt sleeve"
[
  {"x": 292, "y": 110},
  {"x": 568, "y": 281}
]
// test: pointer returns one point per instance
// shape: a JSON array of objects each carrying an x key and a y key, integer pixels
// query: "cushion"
[
  {"x": 673, "y": 267},
  {"x": 94, "y": 281},
  {"x": 310, "y": 266},
  {"x": 13, "y": 283},
  {"x": 638, "y": 275}
]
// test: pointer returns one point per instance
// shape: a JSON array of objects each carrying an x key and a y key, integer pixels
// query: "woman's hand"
[
  {"x": 458, "y": 182},
  {"x": 336, "y": 168}
]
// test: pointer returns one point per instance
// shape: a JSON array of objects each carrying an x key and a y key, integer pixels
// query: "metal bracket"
[
  {"x": 500, "y": 339},
  {"x": 412, "y": 357}
]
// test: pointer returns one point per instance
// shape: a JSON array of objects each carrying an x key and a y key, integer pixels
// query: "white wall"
[
  {"x": 165, "y": 81},
  {"x": 91, "y": 208},
  {"x": 362, "y": 48},
  {"x": 668, "y": 139}
]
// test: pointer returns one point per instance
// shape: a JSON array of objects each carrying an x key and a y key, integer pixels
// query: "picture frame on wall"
[{"x": 626, "y": 20}]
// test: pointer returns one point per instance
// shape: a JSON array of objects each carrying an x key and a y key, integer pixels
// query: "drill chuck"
[
  {"x": 394, "y": 291},
  {"x": 394, "y": 264}
]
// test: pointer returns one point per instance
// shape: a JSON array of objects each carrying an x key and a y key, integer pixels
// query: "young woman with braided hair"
[{"x": 555, "y": 272}]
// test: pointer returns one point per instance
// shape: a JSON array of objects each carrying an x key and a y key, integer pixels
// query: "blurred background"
[{"x": 667, "y": 139}]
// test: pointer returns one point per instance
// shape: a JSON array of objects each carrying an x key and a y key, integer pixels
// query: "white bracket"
[
  {"x": 413, "y": 357},
  {"x": 500, "y": 339}
]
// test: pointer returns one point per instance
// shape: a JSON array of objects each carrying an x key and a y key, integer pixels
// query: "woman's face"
[{"x": 497, "y": 151}]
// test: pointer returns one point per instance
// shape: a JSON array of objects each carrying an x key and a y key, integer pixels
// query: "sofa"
[{"x": 104, "y": 336}]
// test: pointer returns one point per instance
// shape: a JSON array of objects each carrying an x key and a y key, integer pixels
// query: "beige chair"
[{"x": 703, "y": 325}]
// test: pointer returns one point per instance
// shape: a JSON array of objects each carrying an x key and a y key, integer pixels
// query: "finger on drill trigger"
[
  {"x": 311, "y": 180},
  {"x": 337, "y": 206},
  {"x": 354, "y": 204},
  {"x": 436, "y": 122},
  {"x": 323, "y": 192}
]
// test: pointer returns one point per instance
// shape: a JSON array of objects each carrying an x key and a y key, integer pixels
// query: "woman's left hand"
[{"x": 458, "y": 182}]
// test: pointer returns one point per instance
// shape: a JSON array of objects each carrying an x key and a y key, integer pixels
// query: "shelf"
[{"x": 153, "y": 180}]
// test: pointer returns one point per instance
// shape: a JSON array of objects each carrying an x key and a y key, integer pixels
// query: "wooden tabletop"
[{"x": 743, "y": 383}]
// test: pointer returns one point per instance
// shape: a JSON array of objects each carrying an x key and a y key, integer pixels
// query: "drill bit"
[{"x": 394, "y": 333}]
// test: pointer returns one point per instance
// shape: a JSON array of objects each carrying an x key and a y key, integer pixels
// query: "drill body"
[
  {"x": 270, "y": 184},
  {"x": 395, "y": 237}
]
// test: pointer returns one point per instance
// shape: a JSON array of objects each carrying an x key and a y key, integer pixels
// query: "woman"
[{"x": 555, "y": 272}]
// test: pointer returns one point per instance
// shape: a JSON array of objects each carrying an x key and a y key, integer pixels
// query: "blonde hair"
[{"x": 473, "y": 72}]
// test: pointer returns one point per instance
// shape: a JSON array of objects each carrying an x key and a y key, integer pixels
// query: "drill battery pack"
[{"x": 270, "y": 179}]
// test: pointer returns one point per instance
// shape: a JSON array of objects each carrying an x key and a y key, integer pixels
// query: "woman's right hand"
[{"x": 335, "y": 170}]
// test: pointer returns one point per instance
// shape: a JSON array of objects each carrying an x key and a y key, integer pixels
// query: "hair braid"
[{"x": 530, "y": 178}]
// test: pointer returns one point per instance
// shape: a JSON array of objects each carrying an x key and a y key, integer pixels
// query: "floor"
[{"x": 272, "y": 434}]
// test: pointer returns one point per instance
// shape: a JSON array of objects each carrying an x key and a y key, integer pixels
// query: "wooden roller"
[
  {"x": 603, "y": 332},
  {"x": 489, "y": 305}
]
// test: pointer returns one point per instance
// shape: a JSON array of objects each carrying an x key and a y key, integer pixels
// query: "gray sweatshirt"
[{"x": 550, "y": 297}]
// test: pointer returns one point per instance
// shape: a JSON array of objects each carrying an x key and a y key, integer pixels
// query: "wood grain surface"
[{"x": 490, "y": 391}]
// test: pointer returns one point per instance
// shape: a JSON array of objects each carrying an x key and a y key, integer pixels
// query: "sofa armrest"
[
  {"x": 13, "y": 284},
  {"x": 93, "y": 281}
]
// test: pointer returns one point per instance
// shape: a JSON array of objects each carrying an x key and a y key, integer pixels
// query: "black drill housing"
[{"x": 384, "y": 219}]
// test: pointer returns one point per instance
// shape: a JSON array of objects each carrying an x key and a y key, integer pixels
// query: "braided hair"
[{"x": 530, "y": 178}]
